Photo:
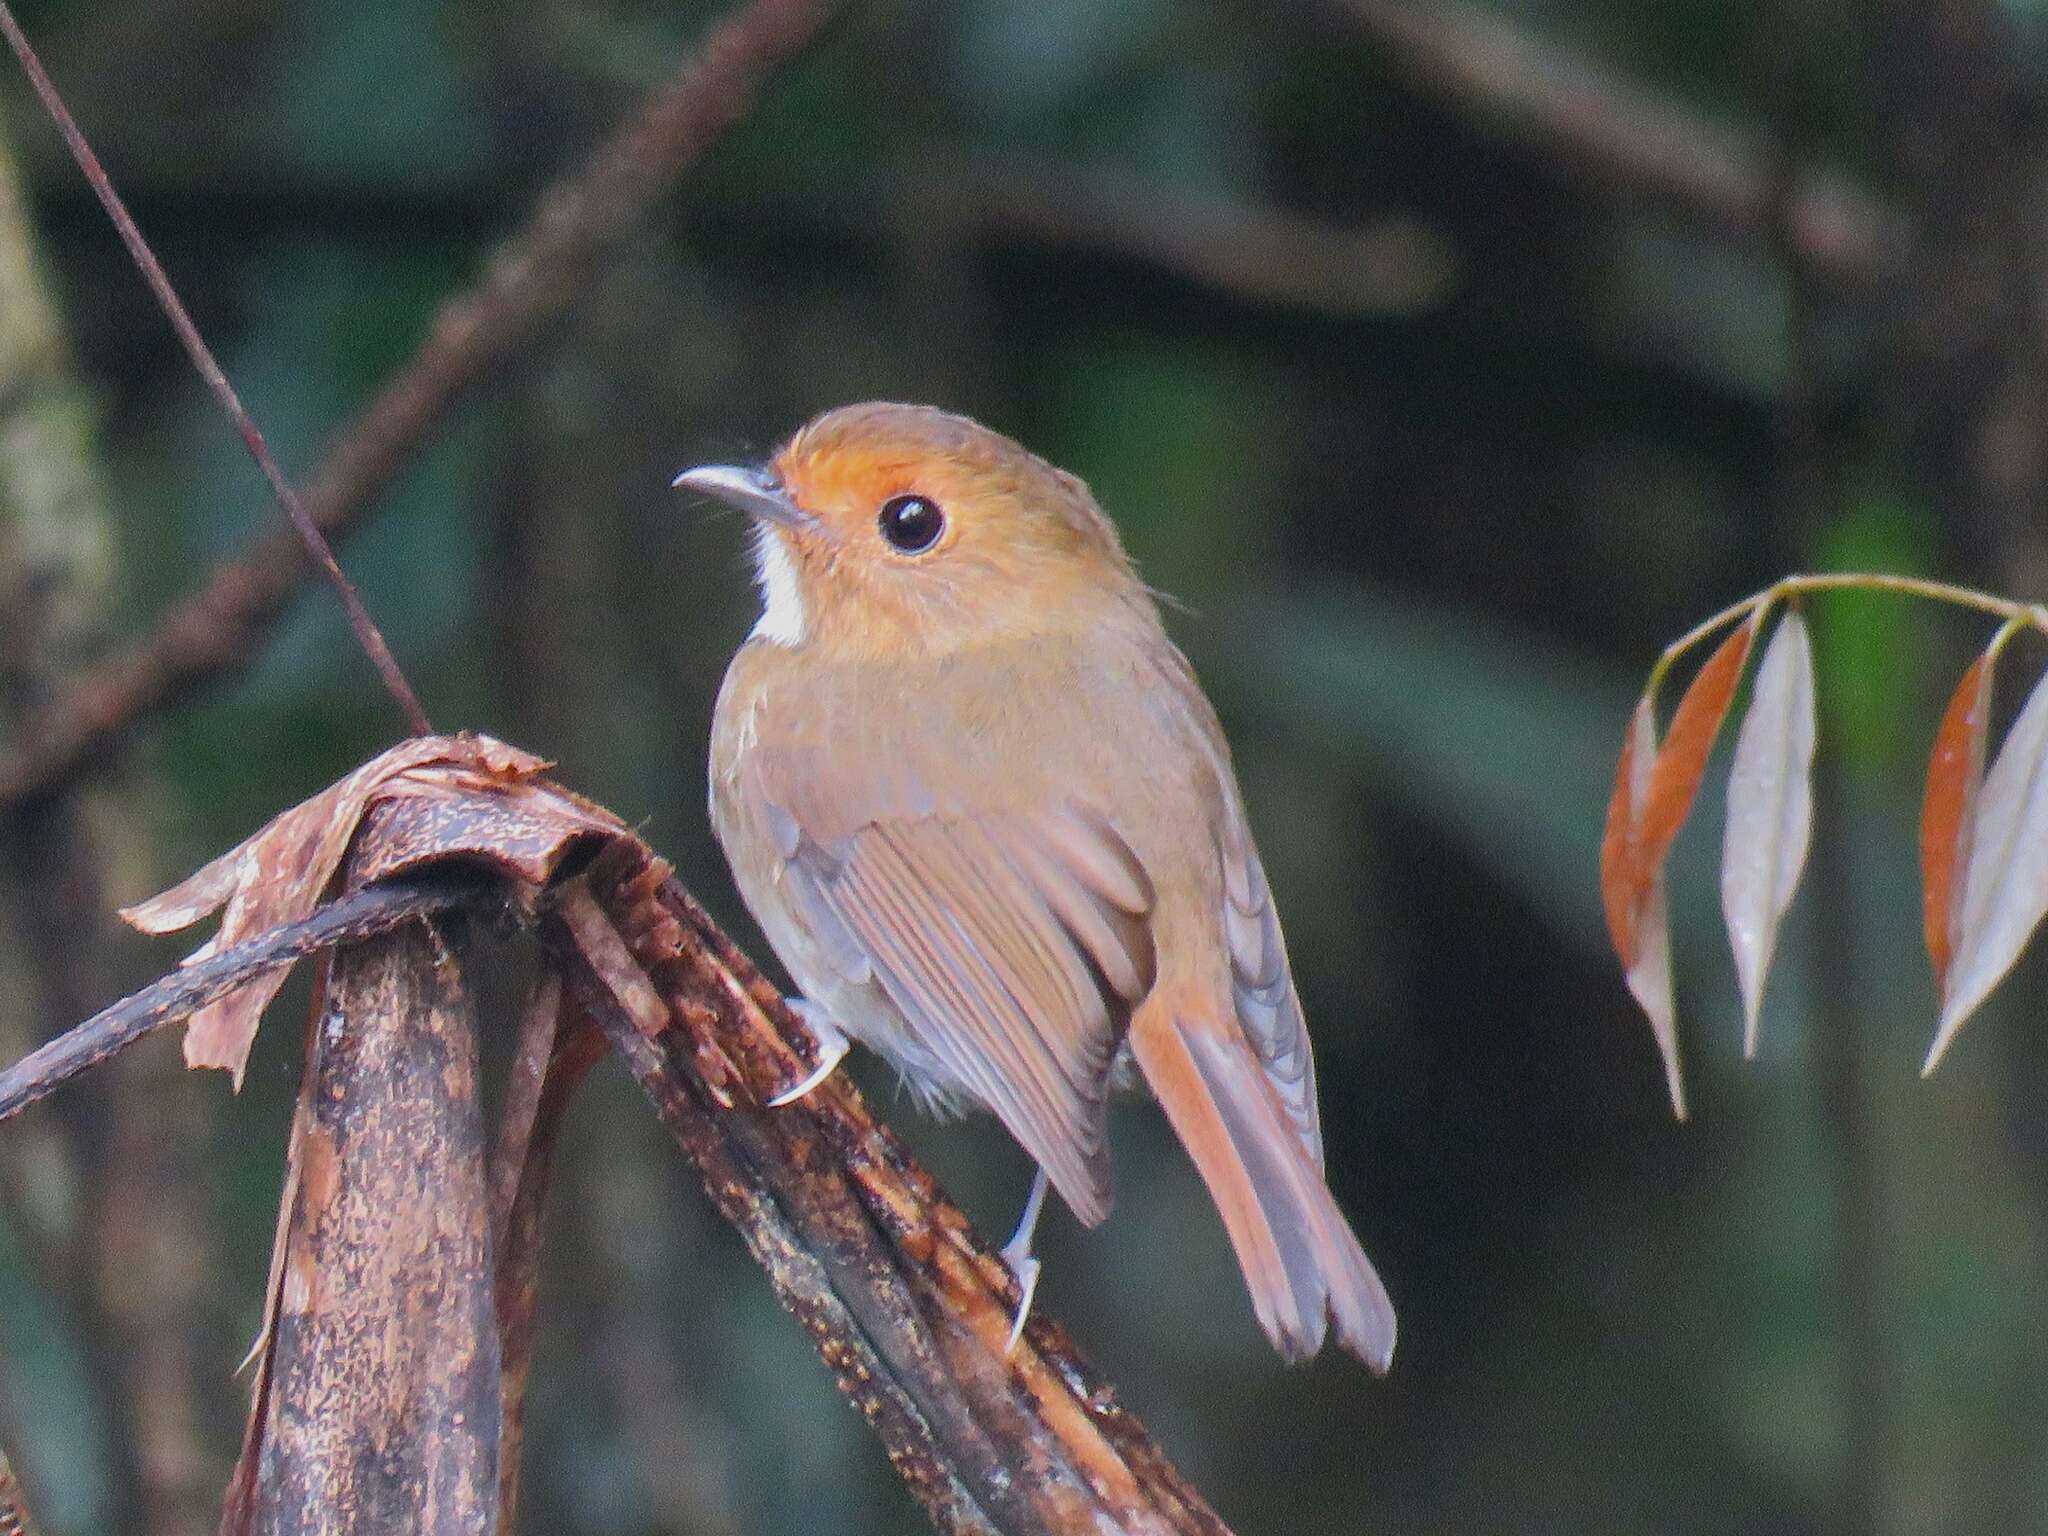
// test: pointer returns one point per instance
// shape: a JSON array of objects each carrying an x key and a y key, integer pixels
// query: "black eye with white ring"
[{"x": 912, "y": 524}]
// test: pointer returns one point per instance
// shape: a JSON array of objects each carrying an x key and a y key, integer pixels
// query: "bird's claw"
[
  {"x": 1017, "y": 1254},
  {"x": 827, "y": 1040},
  {"x": 1025, "y": 1268}
]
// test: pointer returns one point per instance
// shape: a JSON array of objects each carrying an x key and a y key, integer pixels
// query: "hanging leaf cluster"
[{"x": 1983, "y": 833}]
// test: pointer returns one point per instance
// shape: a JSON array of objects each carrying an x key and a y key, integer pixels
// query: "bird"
[{"x": 986, "y": 817}]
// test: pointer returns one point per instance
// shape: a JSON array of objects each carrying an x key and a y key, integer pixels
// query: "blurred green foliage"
[{"x": 1427, "y": 555}]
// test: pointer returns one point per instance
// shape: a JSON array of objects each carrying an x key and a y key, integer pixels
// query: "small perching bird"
[{"x": 986, "y": 817}]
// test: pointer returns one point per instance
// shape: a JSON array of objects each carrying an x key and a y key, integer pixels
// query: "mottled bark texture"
[
  {"x": 402, "y": 1295},
  {"x": 170, "y": 999},
  {"x": 554, "y": 1055},
  {"x": 380, "y": 1405}
]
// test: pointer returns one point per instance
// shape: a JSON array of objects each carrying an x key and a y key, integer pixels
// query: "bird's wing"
[
  {"x": 1262, "y": 987},
  {"x": 1013, "y": 944}
]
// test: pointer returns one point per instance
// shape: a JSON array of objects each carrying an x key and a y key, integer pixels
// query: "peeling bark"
[{"x": 381, "y": 1408}]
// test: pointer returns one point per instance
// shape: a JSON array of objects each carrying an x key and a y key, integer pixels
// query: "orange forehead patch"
[{"x": 841, "y": 475}]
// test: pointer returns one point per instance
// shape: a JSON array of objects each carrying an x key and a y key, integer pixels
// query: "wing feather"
[
  {"x": 1116, "y": 941},
  {"x": 1262, "y": 986},
  {"x": 1014, "y": 946},
  {"x": 945, "y": 992}
]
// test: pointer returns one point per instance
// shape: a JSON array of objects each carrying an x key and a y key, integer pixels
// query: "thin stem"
[
  {"x": 2003, "y": 638},
  {"x": 348, "y": 919},
  {"x": 367, "y": 634},
  {"x": 2017, "y": 615}
]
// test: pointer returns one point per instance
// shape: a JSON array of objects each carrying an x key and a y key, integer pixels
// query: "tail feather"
[{"x": 1301, "y": 1262}]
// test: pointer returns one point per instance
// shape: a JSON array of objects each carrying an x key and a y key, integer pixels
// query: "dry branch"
[
  {"x": 909, "y": 1309},
  {"x": 379, "y": 1394},
  {"x": 530, "y": 281},
  {"x": 404, "y": 1274},
  {"x": 554, "y": 1055},
  {"x": 1625, "y": 138},
  {"x": 361, "y": 915}
]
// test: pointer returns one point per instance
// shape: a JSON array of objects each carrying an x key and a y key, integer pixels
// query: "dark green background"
[{"x": 1429, "y": 532}]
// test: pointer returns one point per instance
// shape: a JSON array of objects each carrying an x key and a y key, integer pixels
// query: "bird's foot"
[
  {"x": 827, "y": 1041},
  {"x": 1026, "y": 1270},
  {"x": 1017, "y": 1254}
]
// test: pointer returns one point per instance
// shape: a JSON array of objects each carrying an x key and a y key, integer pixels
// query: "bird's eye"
[{"x": 912, "y": 523}]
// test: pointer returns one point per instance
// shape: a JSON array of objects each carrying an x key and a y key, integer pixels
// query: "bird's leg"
[
  {"x": 827, "y": 1040},
  {"x": 1017, "y": 1254}
]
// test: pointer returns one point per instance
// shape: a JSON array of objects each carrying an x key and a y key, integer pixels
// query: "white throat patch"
[{"x": 782, "y": 619}]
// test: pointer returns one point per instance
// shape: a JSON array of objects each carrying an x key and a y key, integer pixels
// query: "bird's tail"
[{"x": 1304, "y": 1268}]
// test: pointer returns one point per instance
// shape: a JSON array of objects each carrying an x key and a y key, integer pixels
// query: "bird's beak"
[{"x": 755, "y": 492}]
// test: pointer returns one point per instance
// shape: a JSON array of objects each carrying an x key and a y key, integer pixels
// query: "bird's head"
[{"x": 888, "y": 529}]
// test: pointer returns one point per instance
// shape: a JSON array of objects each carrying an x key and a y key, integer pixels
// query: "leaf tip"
[
  {"x": 1944, "y": 1037},
  {"x": 1679, "y": 1112}
]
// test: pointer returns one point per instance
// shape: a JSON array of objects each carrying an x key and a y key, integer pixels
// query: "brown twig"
[
  {"x": 1257, "y": 254},
  {"x": 526, "y": 1085},
  {"x": 368, "y": 636},
  {"x": 1622, "y": 136},
  {"x": 349, "y": 919},
  {"x": 531, "y": 280},
  {"x": 1958, "y": 114}
]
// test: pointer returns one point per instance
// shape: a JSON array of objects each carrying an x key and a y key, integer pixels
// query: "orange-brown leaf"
[
  {"x": 1619, "y": 892},
  {"x": 1654, "y": 788},
  {"x": 1955, "y": 770},
  {"x": 1682, "y": 760},
  {"x": 1636, "y": 913}
]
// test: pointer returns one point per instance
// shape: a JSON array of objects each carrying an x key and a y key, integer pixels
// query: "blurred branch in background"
[
  {"x": 1620, "y": 135},
  {"x": 368, "y": 637},
  {"x": 1957, "y": 100},
  {"x": 1961, "y": 125},
  {"x": 1257, "y": 255},
  {"x": 105, "y": 1199},
  {"x": 1808, "y": 496},
  {"x": 529, "y": 282}
]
